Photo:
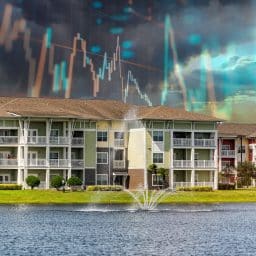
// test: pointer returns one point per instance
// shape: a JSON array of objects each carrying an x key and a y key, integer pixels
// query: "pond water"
[{"x": 228, "y": 229}]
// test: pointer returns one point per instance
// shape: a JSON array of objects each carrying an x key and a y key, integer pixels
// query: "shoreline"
[{"x": 47, "y": 197}]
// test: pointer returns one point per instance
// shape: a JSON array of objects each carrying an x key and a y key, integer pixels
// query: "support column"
[
  {"x": 145, "y": 163},
  {"x": 215, "y": 181},
  {"x": 236, "y": 149},
  {"x": 47, "y": 178},
  {"x": 171, "y": 171},
  {"x": 25, "y": 152},
  {"x": 83, "y": 176},
  {"x": 19, "y": 180},
  {"x": 69, "y": 148},
  {"x": 219, "y": 150}
]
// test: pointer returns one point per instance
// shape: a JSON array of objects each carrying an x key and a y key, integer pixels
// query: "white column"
[
  {"x": 69, "y": 148},
  {"x": 215, "y": 182},
  {"x": 145, "y": 163},
  {"x": 83, "y": 176},
  {"x": 220, "y": 162},
  {"x": 171, "y": 171},
  {"x": 25, "y": 152},
  {"x": 47, "y": 178}
]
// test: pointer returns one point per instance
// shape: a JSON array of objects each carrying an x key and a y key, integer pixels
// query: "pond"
[{"x": 225, "y": 229}]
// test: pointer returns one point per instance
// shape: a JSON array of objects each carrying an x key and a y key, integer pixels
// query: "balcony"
[
  {"x": 118, "y": 164},
  {"x": 182, "y": 163},
  {"x": 227, "y": 153},
  {"x": 77, "y": 141},
  {"x": 36, "y": 140},
  {"x": 37, "y": 163},
  {"x": 119, "y": 143},
  {"x": 8, "y": 140},
  {"x": 8, "y": 162},
  {"x": 59, "y": 140},
  {"x": 204, "y": 143},
  {"x": 196, "y": 184},
  {"x": 58, "y": 163},
  {"x": 181, "y": 142},
  {"x": 204, "y": 164},
  {"x": 77, "y": 163}
]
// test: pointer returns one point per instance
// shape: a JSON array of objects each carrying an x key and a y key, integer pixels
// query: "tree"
[
  {"x": 163, "y": 172},
  {"x": 32, "y": 181},
  {"x": 245, "y": 171},
  {"x": 57, "y": 182},
  {"x": 74, "y": 181},
  {"x": 152, "y": 168}
]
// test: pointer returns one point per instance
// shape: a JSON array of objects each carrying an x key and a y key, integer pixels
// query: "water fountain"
[{"x": 148, "y": 200}]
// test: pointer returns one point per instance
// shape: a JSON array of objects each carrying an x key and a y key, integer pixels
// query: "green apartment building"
[{"x": 105, "y": 142}]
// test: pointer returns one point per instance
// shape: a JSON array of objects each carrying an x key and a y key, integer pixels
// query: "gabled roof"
[
  {"x": 237, "y": 129},
  {"x": 92, "y": 109}
]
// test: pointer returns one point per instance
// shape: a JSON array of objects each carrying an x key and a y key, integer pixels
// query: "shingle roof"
[
  {"x": 92, "y": 109},
  {"x": 236, "y": 129}
]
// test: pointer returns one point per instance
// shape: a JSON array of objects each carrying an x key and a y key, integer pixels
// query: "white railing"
[
  {"x": 8, "y": 162},
  {"x": 181, "y": 142},
  {"x": 8, "y": 139},
  {"x": 118, "y": 164},
  {"x": 119, "y": 142},
  {"x": 182, "y": 184},
  {"x": 58, "y": 162},
  {"x": 228, "y": 153},
  {"x": 59, "y": 140},
  {"x": 77, "y": 163},
  {"x": 37, "y": 140},
  {"x": 182, "y": 163},
  {"x": 204, "y": 142},
  {"x": 77, "y": 141},
  {"x": 37, "y": 162},
  {"x": 205, "y": 164},
  {"x": 204, "y": 184}
]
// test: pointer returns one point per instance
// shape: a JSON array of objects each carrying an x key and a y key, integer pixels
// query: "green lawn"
[{"x": 48, "y": 196}]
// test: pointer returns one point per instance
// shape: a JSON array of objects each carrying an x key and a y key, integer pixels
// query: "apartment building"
[
  {"x": 237, "y": 143},
  {"x": 105, "y": 142}
]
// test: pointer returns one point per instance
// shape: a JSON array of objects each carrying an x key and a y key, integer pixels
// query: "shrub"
[
  {"x": 196, "y": 189},
  {"x": 74, "y": 181},
  {"x": 10, "y": 187},
  {"x": 226, "y": 186},
  {"x": 32, "y": 181},
  {"x": 57, "y": 182},
  {"x": 104, "y": 188}
]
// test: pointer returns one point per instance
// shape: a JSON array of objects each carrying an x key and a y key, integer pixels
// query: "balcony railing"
[
  {"x": 204, "y": 184},
  {"x": 196, "y": 184},
  {"x": 118, "y": 164},
  {"x": 8, "y": 140},
  {"x": 204, "y": 164},
  {"x": 37, "y": 162},
  {"x": 8, "y": 162},
  {"x": 36, "y": 140},
  {"x": 119, "y": 142},
  {"x": 204, "y": 143},
  {"x": 228, "y": 153},
  {"x": 58, "y": 163},
  {"x": 77, "y": 163},
  {"x": 181, "y": 142},
  {"x": 59, "y": 140},
  {"x": 182, "y": 163},
  {"x": 77, "y": 141},
  {"x": 182, "y": 184}
]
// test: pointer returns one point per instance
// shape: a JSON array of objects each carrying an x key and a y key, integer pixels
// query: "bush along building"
[
  {"x": 106, "y": 142},
  {"x": 237, "y": 144}
]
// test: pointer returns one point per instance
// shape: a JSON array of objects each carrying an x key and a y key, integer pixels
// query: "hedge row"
[
  {"x": 199, "y": 189},
  {"x": 226, "y": 186},
  {"x": 10, "y": 187},
  {"x": 104, "y": 188}
]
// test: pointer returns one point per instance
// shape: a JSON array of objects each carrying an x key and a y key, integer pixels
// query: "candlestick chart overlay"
[{"x": 199, "y": 55}]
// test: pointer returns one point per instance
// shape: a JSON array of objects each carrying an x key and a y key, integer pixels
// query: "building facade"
[{"x": 105, "y": 142}]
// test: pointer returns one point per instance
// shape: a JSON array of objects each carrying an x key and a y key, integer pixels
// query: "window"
[
  {"x": 158, "y": 136},
  {"x": 196, "y": 156},
  {"x": 102, "y": 157},
  {"x": 119, "y": 155},
  {"x": 157, "y": 180},
  {"x": 102, "y": 136},
  {"x": 54, "y": 155},
  {"x": 102, "y": 179},
  {"x": 241, "y": 149},
  {"x": 119, "y": 135},
  {"x": 225, "y": 147},
  {"x": 54, "y": 133},
  {"x": 158, "y": 158}
]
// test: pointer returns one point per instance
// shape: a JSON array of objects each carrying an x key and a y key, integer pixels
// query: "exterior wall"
[
  {"x": 203, "y": 176},
  {"x": 136, "y": 178},
  {"x": 39, "y": 126},
  {"x": 203, "y": 154},
  {"x": 90, "y": 149},
  {"x": 90, "y": 175},
  {"x": 59, "y": 126}
]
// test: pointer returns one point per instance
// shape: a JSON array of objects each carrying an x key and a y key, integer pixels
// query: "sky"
[{"x": 196, "y": 54}]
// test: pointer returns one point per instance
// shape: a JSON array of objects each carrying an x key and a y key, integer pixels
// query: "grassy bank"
[{"x": 45, "y": 197}]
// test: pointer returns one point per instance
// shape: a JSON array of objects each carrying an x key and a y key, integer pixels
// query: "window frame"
[
  {"x": 102, "y": 175},
  {"x": 98, "y": 153},
  {"x": 158, "y": 153},
  {"x": 157, "y": 175},
  {"x": 101, "y": 138},
  {"x": 156, "y": 138}
]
